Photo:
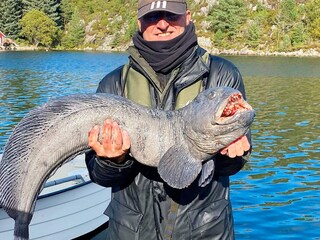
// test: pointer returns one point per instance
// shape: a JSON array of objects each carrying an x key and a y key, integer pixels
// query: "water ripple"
[{"x": 276, "y": 195}]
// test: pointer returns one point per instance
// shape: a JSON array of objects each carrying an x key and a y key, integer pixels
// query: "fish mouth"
[{"x": 231, "y": 106}]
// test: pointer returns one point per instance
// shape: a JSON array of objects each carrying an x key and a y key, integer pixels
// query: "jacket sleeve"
[
  {"x": 225, "y": 73},
  {"x": 103, "y": 171}
]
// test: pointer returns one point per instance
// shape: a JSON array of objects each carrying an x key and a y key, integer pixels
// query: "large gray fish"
[{"x": 180, "y": 143}]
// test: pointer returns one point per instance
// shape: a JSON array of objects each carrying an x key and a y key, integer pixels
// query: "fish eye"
[{"x": 211, "y": 95}]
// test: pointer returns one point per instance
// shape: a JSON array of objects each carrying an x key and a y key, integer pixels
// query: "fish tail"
[{"x": 21, "y": 227}]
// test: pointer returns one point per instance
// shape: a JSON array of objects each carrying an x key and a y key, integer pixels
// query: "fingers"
[
  {"x": 245, "y": 143},
  {"x": 224, "y": 151},
  {"x": 114, "y": 141},
  {"x": 126, "y": 143},
  {"x": 116, "y": 135},
  {"x": 106, "y": 133},
  {"x": 111, "y": 135},
  {"x": 237, "y": 148},
  {"x": 93, "y": 136},
  {"x": 233, "y": 149},
  {"x": 93, "y": 141}
]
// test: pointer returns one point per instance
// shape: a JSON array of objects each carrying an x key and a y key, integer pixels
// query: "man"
[{"x": 166, "y": 70}]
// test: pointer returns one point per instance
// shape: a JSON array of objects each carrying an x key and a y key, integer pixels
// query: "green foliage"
[
  {"x": 38, "y": 28},
  {"x": 75, "y": 30},
  {"x": 285, "y": 43},
  {"x": 66, "y": 11},
  {"x": 11, "y": 13},
  {"x": 228, "y": 17},
  {"x": 298, "y": 34},
  {"x": 288, "y": 11},
  {"x": 30, "y": 4},
  {"x": 290, "y": 26},
  {"x": 50, "y": 7},
  {"x": 315, "y": 28},
  {"x": 218, "y": 38},
  {"x": 254, "y": 35},
  {"x": 313, "y": 18},
  {"x": 274, "y": 25},
  {"x": 132, "y": 29}
]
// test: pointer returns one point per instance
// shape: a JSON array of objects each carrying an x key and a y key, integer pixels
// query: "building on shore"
[
  {"x": 6, "y": 43},
  {"x": 2, "y": 38}
]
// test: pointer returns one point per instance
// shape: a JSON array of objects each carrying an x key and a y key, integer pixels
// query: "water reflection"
[
  {"x": 276, "y": 196},
  {"x": 30, "y": 79},
  {"x": 278, "y": 192}
]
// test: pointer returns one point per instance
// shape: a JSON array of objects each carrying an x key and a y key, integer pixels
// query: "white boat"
[{"x": 68, "y": 207}]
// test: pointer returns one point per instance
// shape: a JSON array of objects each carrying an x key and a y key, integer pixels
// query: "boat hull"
[{"x": 64, "y": 211}]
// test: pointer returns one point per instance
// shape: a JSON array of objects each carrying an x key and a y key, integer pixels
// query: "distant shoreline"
[
  {"x": 248, "y": 52},
  {"x": 214, "y": 51}
]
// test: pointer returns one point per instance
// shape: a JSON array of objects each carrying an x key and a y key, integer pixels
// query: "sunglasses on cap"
[{"x": 154, "y": 17}]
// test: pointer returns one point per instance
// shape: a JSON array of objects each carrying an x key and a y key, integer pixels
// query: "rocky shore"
[
  {"x": 248, "y": 52},
  {"x": 205, "y": 43}
]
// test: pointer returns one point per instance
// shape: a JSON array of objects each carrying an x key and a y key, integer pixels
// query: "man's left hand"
[{"x": 237, "y": 148}]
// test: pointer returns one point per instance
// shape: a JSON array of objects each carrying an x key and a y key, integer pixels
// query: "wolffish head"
[{"x": 216, "y": 118}]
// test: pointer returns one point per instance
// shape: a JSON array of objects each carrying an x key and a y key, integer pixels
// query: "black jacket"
[{"x": 143, "y": 207}]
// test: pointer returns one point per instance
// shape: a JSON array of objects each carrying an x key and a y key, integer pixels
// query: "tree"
[
  {"x": 74, "y": 31},
  {"x": 50, "y": 7},
  {"x": 2, "y": 5},
  {"x": 11, "y": 13},
  {"x": 38, "y": 28},
  {"x": 218, "y": 38},
  {"x": 31, "y": 4},
  {"x": 254, "y": 34},
  {"x": 228, "y": 16},
  {"x": 288, "y": 12},
  {"x": 285, "y": 21},
  {"x": 66, "y": 11},
  {"x": 298, "y": 34},
  {"x": 313, "y": 18}
]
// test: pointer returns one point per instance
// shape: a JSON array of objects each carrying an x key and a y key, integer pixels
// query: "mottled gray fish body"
[{"x": 177, "y": 142}]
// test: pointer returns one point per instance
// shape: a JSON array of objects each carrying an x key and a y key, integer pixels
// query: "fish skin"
[{"x": 56, "y": 132}]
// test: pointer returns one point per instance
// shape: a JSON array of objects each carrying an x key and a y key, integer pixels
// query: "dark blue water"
[
  {"x": 28, "y": 79},
  {"x": 276, "y": 195}
]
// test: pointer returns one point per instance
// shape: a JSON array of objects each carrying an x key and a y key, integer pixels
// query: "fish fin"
[
  {"x": 178, "y": 168},
  {"x": 206, "y": 173}
]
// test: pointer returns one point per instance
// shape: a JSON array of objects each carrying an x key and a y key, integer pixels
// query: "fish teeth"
[{"x": 234, "y": 104}]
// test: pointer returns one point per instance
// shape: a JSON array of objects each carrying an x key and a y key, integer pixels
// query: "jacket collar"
[{"x": 188, "y": 72}]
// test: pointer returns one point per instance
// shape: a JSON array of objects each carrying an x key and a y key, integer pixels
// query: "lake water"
[{"x": 276, "y": 195}]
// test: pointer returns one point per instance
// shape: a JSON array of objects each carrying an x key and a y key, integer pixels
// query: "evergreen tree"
[
  {"x": 11, "y": 13},
  {"x": 66, "y": 11},
  {"x": 75, "y": 31},
  {"x": 287, "y": 15},
  {"x": 289, "y": 11},
  {"x": 50, "y": 7},
  {"x": 298, "y": 34},
  {"x": 1, "y": 15},
  {"x": 218, "y": 38},
  {"x": 254, "y": 35},
  {"x": 228, "y": 16},
  {"x": 31, "y": 4},
  {"x": 313, "y": 18}
]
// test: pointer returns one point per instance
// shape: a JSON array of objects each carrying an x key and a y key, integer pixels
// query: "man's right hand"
[{"x": 115, "y": 142}]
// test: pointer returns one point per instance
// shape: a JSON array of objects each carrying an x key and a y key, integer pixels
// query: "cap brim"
[{"x": 173, "y": 7}]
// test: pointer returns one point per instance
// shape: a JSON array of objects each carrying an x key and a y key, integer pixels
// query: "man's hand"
[
  {"x": 237, "y": 148},
  {"x": 115, "y": 143}
]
